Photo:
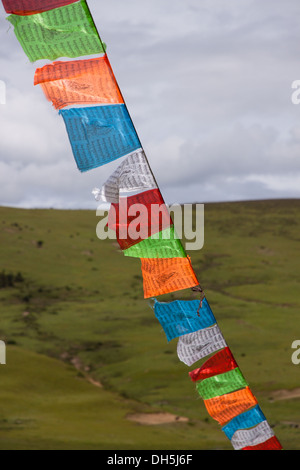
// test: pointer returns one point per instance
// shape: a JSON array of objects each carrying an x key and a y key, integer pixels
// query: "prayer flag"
[
  {"x": 165, "y": 275},
  {"x": 180, "y": 317},
  {"x": 30, "y": 7},
  {"x": 99, "y": 135},
  {"x": 252, "y": 437},
  {"x": 246, "y": 420},
  {"x": 68, "y": 31},
  {"x": 270, "y": 444},
  {"x": 136, "y": 218},
  {"x": 227, "y": 407},
  {"x": 222, "y": 361},
  {"x": 164, "y": 244},
  {"x": 79, "y": 82},
  {"x": 221, "y": 384},
  {"x": 194, "y": 346},
  {"x": 132, "y": 175}
]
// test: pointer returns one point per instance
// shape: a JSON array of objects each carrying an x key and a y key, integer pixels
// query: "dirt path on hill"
[
  {"x": 151, "y": 419},
  {"x": 75, "y": 361},
  {"x": 285, "y": 394}
]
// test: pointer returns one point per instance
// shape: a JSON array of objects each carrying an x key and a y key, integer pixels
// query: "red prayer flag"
[
  {"x": 223, "y": 361},
  {"x": 31, "y": 7},
  {"x": 270, "y": 444},
  {"x": 138, "y": 217}
]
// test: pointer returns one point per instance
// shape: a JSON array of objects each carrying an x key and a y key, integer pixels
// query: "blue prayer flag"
[
  {"x": 100, "y": 134},
  {"x": 181, "y": 317},
  {"x": 246, "y": 420}
]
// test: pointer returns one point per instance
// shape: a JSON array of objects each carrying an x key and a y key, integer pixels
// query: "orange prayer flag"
[
  {"x": 79, "y": 82},
  {"x": 227, "y": 407},
  {"x": 165, "y": 275}
]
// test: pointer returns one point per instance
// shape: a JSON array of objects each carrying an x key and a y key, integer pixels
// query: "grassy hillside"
[{"x": 73, "y": 317}]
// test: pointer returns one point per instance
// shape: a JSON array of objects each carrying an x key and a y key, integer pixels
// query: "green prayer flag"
[
  {"x": 221, "y": 384},
  {"x": 163, "y": 244},
  {"x": 68, "y": 31}
]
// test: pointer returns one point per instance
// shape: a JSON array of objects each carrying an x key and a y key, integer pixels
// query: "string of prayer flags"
[
  {"x": 227, "y": 407},
  {"x": 136, "y": 218},
  {"x": 195, "y": 346},
  {"x": 245, "y": 420},
  {"x": 164, "y": 244},
  {"x": 181, "y": 317},
  {"x": 252, "y": 437},
  {"x": 165, "y": 275},
  {"x": 132, "y": 175},
  {"x": 80, "y": 82},
  {"x": 270, "y": 444},
  {"x": 30, "y": 7},
  {"x": 53, "y": 29},
  {"x": 68, "y": 31},
  {"x": 99, "y": 134},
  {"x": 222, "y": 361},
  {"x": 221, "y": 384},
  {"x": 219, "y": 376}
]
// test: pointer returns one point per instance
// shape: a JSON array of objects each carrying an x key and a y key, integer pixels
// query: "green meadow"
[{"x": 85, "y": 351}]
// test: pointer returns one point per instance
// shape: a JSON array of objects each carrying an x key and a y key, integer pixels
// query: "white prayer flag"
[
  {"x": 252, "y": 437},
  {"x": 132, "y": 175},
  {"x": 194, "y": 346}
]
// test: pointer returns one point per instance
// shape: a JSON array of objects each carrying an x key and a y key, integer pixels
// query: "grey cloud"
[{"x": 208, "y": 86}]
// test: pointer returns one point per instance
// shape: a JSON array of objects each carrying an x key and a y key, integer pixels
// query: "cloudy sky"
[{"x": 208, "y": 84}]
